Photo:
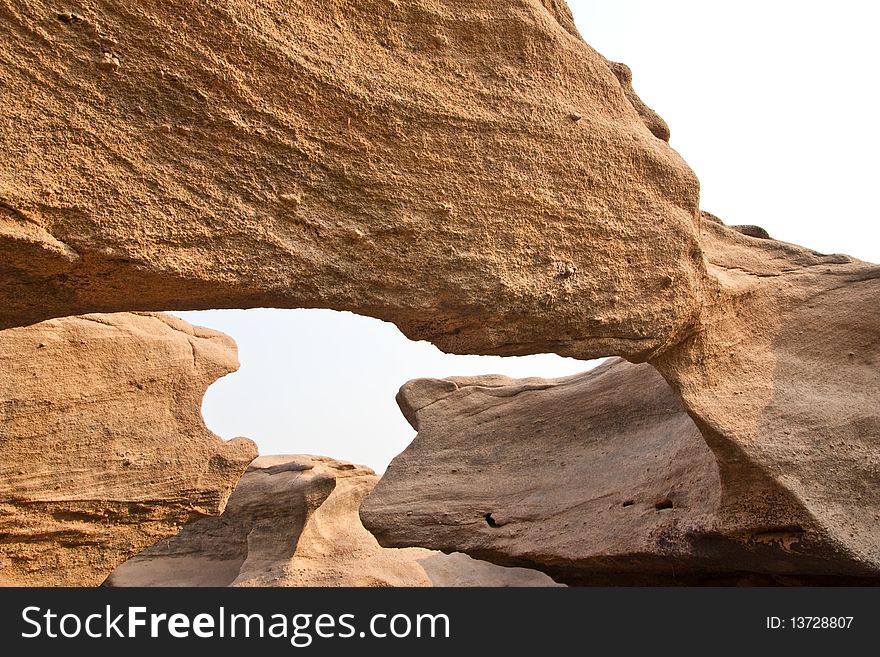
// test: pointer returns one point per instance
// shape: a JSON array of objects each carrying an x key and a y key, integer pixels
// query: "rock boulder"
[
  {"x": 601, "y": 478},
  {"x": 104, "y": 448},
  {"x": 293, "y": 521}
]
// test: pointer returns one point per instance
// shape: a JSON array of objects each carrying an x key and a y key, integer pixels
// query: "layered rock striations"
[
  {"x": 293, "y": 521},
  {"x": 104, "y": 447}
]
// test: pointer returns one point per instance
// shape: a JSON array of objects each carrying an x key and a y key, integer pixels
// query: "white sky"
[{"x": 773, "y": 104}]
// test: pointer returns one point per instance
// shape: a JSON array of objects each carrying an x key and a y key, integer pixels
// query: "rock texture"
[
  {"x": 600, "y": 478},
  {"x": 653, "y": 121},
  {"x": 104, "y": 447},
  {"x": 475, "y": 173},
  {"x": 782, "y": 375},
  {"x": 595, "y": 478},
  {"x": 293, "y": 521}
]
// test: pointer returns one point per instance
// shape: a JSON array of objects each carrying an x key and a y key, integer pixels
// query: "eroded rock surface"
[
  {"x": 782, "y": 375},
  {"x": 104, "y": 447},
  {"x": 293, "y": 521},
  {"x": 599, "y": 478},
  {"x": 475, "y": 173}
]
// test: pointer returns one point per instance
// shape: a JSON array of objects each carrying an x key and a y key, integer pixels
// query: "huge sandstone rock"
[
  {"x": 782, "y": 375},
  {"x": 293, "y": 521},
  {"x": 104, "y": 450},
  {"x": 473, "y": 172},
  {"x": 599, "y": 478}
]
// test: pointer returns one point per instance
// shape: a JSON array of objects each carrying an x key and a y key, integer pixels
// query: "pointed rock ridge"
[
  {"x": 653, "y": 121},
  {"x": 104, "y": 447},
  {"x": 293, "y": 521},
  {"x": 477, "y": 175},
  {"x": 600, "y": 479}
]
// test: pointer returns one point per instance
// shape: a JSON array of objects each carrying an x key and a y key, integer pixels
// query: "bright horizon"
[{"x": 770, "y": 104}]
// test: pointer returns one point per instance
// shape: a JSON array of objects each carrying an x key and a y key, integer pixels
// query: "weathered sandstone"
[
  {"x": 781, "y": 377},
  {"x": 478, "y": 175},
  {"x": 475, "y": 173},
  {"x": 104, "y": 448},
  {"x": 595, "y": 478},
  {"x": 293, "y": 521},
  {"x": 600, "y": 478}
]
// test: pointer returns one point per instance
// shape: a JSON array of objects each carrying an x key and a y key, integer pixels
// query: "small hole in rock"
[
  {"x": 69, "y": 19},
  {"x": 663, "y": 504},
  {"x": 628, "y": 502},
  {"x": 490, "y": 520}
]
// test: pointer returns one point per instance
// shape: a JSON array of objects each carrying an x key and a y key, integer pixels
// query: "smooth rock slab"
[
  {"x": 782, "y": 374},
  {"x": 599, "y": 478}
]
